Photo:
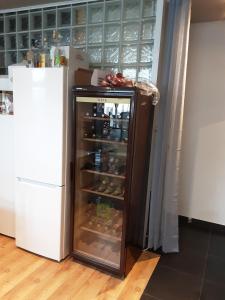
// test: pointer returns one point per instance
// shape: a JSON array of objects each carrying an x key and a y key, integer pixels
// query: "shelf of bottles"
[{"x": 101, "y": 147}]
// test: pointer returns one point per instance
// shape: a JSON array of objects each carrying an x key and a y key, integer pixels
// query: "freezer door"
[
  {"x": 40, "y": 100},
  {"x": 39, "y": 214}
]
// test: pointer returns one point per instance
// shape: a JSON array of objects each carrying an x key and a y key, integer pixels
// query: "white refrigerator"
[
  {"x": 43, "y": 108},
  {"x": 7, "y": 225}
]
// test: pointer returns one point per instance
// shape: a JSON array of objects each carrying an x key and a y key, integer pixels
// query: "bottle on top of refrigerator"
[
  {"x": 44, "y": 55},
  {"x": 30, "y": 59},
  {"x": 55, "y": 50}
]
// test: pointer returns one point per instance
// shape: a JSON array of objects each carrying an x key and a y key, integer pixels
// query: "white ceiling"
[{"x": 202, "y": 10}]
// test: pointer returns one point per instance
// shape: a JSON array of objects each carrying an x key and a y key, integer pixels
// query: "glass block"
[
  {"x": 79, "y": 36},
  {"x": 113, "y": 69},
  {"x": 149, "y": 8},
  {"x": 23, "y": 41},
  {"x": 10, "y": 25},
  {"x": 64, "y": 17},
  {"x": 131, "y": 9},
  {"x": 112, "y": 33},
  {"x": 145, "y": 74},
  {"x": 146, "y": 53},
  {"x": 129, "y": 54},
  {"x": 111, "y": 55},
  {"x": 83, "y": 49},
  {"x": 36, "y": 54},
  {"x": 113, "y": 11},
  {"x": 148, "y": 30},
  {"x": 23, "y": 22},
  {"x": 64, "y": 35},
  {"x": 50, "y": 19},
  {"x": 48, "y": 37},
  {"x": 2, "y": 59},
  {"x": 79, "y": 15},
  {"x": 95, "y": 55},
  {"x": 95, "y": 13},
  {"x": 130, "y": 73},
  {"x": 22, "y": 55},
  {"x": 36, "y": 39},
  {"x": 131, "y": 32},
  {"x": 11, "y": 58},
  {"x": 2, "y": 42},
  {"x": 1, "y": 25},
  {"x": 36, "y": 20},
  {"x": 11, "y": 42},
  {"x": 95, "y": 34}
]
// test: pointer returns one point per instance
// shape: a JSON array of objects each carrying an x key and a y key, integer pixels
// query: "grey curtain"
[{"x": 165, "y": 158}]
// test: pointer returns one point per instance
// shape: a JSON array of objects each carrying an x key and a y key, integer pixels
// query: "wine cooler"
[{"x": 112, "y": 129}]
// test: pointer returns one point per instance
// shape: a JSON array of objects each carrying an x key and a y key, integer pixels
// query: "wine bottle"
[
  {"x": 98, "y": 159},
  {"x": 98, "y": 110},
  {"x": 106, "y": 129}
]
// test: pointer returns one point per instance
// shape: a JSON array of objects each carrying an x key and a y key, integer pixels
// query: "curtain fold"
[{"x": 165, "y": 160}]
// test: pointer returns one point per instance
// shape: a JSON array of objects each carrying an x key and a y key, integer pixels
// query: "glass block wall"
[{"x": 117, "y": 34}]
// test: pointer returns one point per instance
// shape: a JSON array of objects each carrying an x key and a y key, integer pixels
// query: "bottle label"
[
  {"x": 57, "y": 60},
  {"x": 106, "y": 100}
]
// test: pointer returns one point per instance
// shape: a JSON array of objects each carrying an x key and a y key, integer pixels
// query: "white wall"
[{"x": 202, "y": 189}]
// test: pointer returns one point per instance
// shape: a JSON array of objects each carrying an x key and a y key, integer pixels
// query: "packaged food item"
[{"x": 116, "y": 80}]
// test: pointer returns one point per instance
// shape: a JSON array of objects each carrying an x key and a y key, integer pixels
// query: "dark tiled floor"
[
  {"x": 212, "y": 291},
  {"x": 197, "y": 272}
]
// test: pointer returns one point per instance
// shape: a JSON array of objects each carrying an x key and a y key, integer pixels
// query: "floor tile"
[
  {"x": 217, "y": 244},
  {"x": 212, "y": 292},
  {"x": 215, "y": 270},
  {"x": 187, "y": 262},
  {"x": 169, "y": 284},
  {"x": 194, "y": 240}
]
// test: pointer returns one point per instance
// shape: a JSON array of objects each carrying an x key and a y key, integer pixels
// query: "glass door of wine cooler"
[{"x": 101, "y": 156}]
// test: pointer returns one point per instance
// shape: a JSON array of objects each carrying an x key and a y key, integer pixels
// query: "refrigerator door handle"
[{"x": 28, "y": 181}]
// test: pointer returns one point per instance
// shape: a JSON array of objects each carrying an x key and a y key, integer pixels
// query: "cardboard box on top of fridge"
[
  {"x": 98, "y": 76},
  {"x": 82, "y": 76},
  {"x": 89, "y": 77}
]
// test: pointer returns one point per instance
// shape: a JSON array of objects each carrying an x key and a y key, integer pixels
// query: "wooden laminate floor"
[{"x": 25, "y": 276}]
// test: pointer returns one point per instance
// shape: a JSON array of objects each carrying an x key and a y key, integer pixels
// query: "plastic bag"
[{"x": 118, "y": 80}]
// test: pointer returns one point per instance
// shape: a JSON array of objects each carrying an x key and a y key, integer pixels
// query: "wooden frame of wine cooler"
[{"x": 133, "y": 200}]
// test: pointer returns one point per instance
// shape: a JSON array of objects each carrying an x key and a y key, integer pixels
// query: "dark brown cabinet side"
[{"x": 112, "y": 144}]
